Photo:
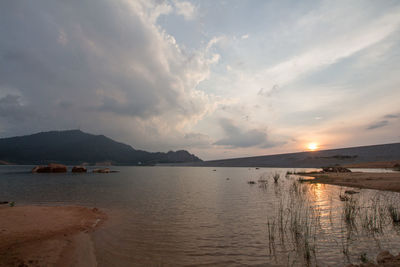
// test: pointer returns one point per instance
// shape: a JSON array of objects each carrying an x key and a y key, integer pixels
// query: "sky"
[{"x": 220, "y": 79}]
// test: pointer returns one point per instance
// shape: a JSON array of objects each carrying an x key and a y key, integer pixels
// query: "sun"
[{"x": 312, "y": 146}]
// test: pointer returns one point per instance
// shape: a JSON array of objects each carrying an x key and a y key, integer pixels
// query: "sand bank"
[
  {"x": 379, "y": 181},
  {"x": 47, "y": 236},
  {"x": 375, "y": 164}
]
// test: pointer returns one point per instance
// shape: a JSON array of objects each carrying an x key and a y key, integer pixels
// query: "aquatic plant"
[
  {"x": 373, "y": 217},
  {"x": 263, "y": 178},
  {"x": 350, "y": 210},
  {"x": 394, "y": 213},
  {"x": 276, "y": 177},
  {"x": 299, "y": 222},
  {"x": 271, "y": 236},
  {"x": 363, "y": 257}
]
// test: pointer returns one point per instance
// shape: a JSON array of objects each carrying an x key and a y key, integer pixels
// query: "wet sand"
[
  {"x": 47, "y": 236},
  {"x": 379, "y": 181}
]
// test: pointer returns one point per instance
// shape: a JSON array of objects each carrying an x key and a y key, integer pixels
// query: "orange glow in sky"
[{"x": 312, "y": 146}]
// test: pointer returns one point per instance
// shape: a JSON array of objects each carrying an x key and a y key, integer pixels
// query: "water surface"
[{"x": 208, "y": 216}]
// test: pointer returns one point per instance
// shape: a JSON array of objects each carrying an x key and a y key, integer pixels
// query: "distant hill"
[
  {"x": 342, "y": 156},
  {"x": 77, "y": 147}
]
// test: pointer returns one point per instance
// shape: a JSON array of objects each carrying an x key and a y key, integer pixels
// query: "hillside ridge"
[{"x": 78, "y": 147}]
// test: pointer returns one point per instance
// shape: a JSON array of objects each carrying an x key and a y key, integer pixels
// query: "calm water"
[{"x": 196, "y": 216}]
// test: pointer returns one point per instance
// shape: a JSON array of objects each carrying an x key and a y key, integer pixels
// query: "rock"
[
  {"x": 41, "y": 169},
  {"x": 79, "y": 169},
  {"x": 57, "y": 167},
  {"x": 52, "y": 167},
  {"x": 335, "y": 169},
  {"x": 251, "y": 182},
  {"x": 351, "y": 192},
  {"x": 384, "y": 257},
  {"x": 396, "y": 167},
  {"x": 105, "y": 170},
  {"x": 344, "y": 197}
]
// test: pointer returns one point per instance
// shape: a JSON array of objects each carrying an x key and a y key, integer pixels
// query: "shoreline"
[
  {"x": 378, "y": 181},
  {"x": 48, "y": 235}
]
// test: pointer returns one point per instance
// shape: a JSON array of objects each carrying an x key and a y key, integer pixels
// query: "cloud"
[
  {"x": 109, "y": 60},
  {"x": 245, "y": 36},
  {"x": 239, "y": 138},
  {"x": 378, "y": 124},
  {"x": 186, "y": 9},
  {"x": 268, "y": 93},
  {"x": 329, "y": 53},
  {"x": 12, "y": 109},
  {"x": 392, "y": 116},
  {"x": 327, "y": 48},
  {"x": 197, "y": 140},
  {"x": 384, "y": 122}
]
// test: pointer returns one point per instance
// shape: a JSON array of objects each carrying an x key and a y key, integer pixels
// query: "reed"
[
  {"x": 271, "y": 236},
  {"x": 373, "y": 216},
  {"x": 350, "y": 211},
  {"x": 296, "y": 225},
  {"x": 394, "y": 213},
  {"x": 276, "y": 177}
]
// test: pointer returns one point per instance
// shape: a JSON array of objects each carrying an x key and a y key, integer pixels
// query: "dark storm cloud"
[
  {"x": 236, "y": 137},
  {"x": 97, "y": 57},
  {"x": 378, "y": 124}
]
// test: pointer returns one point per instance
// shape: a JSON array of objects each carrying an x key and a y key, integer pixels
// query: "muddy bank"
[{"x": 48, "y": 236}]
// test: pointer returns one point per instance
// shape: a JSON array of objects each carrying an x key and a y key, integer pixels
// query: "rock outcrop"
[
  {"x": 79, "y": 169},
  {"x": 51, "y": 168},
  {"x": 335, "y": 169},
  {"x": 105, "y": 170}
]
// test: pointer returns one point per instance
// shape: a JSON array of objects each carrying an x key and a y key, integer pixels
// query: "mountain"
[
  {"x": 313, "y": 159},
  {"x": 76, "y": 147}
]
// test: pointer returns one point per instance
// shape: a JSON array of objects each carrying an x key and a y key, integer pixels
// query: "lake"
[{"x": 213, "y": 216}]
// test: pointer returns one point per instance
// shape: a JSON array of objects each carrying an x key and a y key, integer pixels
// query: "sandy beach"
[
  {"x": 379, "y": 181},
  {"x": 47, "y": 235}
]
